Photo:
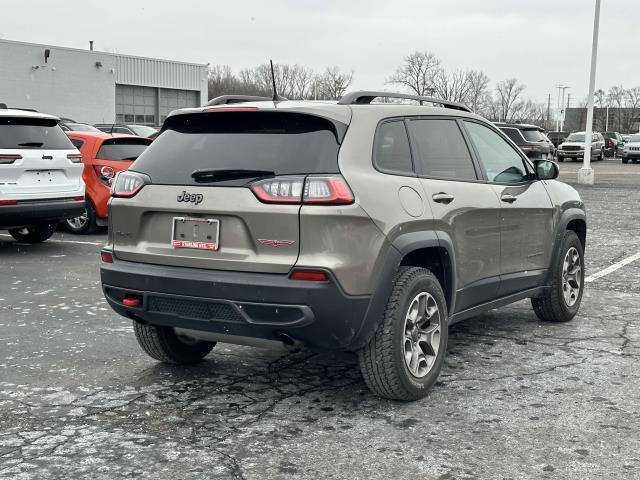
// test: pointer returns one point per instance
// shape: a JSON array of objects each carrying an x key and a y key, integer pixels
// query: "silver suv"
[{"x": 351, "y": 226}]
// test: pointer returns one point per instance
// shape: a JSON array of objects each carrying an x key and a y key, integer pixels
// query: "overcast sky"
[{"x": 541, "y": 42}]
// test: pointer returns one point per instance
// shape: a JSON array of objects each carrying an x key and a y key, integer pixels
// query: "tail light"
[
  {"x": 106, "y": 256},
  {"x": 9, "y": 158},
  {"x": 127, "y": 184},
  {"x": 104, "y": 173},
  {"x": 318, "y": 190},
  {"x": 8, "y": 202},
  {"x": 528, "y": 147},
  {"x": 75, "y": 157}
]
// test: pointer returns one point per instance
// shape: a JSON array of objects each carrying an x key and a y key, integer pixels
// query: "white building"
[{"x": 97, "y": 87}]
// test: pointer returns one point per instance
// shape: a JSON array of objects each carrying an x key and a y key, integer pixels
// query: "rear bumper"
[
  {"x": 30, "y": 212},
  {"x": 240, "y": 304}
]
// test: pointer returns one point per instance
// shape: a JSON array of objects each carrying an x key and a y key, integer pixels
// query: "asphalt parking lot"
[{"x": 516, "y": 399}]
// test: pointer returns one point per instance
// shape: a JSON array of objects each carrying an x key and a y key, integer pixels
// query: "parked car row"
[{"x": 54, "y": 171}]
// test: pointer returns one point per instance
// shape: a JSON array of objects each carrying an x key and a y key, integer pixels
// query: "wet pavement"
[{"x": 516, "y": 398}]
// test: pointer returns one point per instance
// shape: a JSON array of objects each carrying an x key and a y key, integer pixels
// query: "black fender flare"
[
  {"x": 400, "y": 247},
  {"x": 566, "y": 216}
]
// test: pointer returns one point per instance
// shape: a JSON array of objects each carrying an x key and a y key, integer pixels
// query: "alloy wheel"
[
  {"x": 421, "y": 334},
  {"x": 571, "y": 277}
]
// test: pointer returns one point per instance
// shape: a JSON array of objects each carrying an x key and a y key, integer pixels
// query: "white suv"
[{"x": 40, "y": 175}]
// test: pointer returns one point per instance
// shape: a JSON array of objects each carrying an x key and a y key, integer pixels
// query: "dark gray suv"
[{"x": 352, "y": 225}]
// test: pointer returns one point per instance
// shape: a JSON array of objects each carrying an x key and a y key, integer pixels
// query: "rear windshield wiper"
[
  {"x": 221, "y": 174},
  {"x": 31, "y": 144}
]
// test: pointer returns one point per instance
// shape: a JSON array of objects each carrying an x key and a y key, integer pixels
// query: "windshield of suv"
[
  {"x": 532, "y": 135},
  {"x": 33, "y": 133},
  {"x": 142, "y": 130},
  {"x": 283, "y": 143},
  {"x": 575, "y": 137},
  {"x": 122, "y": 149},
  {"x": 635, "y": 138}
]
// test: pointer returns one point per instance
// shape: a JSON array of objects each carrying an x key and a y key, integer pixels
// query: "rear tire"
[
  {"x": 34, "y": 233},
  {"x": 562, "y": 301},
  {"x": 405, "y": 355},
  {"x": 560, "y": 159},
  {"x": 84, "y": 224},
  {"x": 162, "y": 343}
]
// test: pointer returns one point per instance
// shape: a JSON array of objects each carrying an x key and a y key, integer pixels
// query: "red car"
[{"x": 103, "y": 155}]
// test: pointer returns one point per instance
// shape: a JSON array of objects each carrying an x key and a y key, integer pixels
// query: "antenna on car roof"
[
  {"x": 111, "y": 129},
  {"x": 276, "y": 97}
]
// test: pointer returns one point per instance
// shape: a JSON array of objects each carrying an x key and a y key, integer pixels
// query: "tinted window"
[
  {"x": 121, "y": 149},
  {"x": 513, "y": 134},
  {"x": 281, "y": 142},
  {"x": 77, "y": 143},
  {"x": 441, "y": 149},
  {"x": 533, "y": 135},
  {"x": 392, "y": 148},
  {"x": 17, "y": 132},
  {"x": 501, "y": 162}
]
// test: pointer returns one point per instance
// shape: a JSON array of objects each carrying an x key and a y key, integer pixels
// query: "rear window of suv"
[
  {"x": 532, "y": 135},
  {"x": 122, "y": 149},
  {"x": 281, "y": 142},
  {"x": 32, "y": 133}
]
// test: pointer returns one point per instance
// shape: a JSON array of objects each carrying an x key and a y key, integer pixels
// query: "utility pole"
[
  {"x": 560, "y": 112},
  {"x": 549, "y": 111},
  {"x": 585, "y": 174}
]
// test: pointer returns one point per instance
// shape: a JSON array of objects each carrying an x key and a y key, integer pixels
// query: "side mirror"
[{"x": 546, "y": 170}]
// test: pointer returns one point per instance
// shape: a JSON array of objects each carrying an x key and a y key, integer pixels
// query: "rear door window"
[
  {"x": 500, "y": 160},
  {"x": 441, "y": 150},
  {"x": 392, "y": 150},
  {"x": 514, "y": 134},
  {"x": 284, "y": 143},
  {"x": 121, "y": 149},
  {"x": 32, "y": 133}
]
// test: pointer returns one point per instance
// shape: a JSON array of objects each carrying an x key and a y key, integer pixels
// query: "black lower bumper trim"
[
  {"x": 26, "y": 212},
  {"x": 243, "y": 304}
]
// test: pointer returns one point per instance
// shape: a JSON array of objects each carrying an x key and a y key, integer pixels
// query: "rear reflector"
[
  {"x": 106, "y": 257},
  {"x": 9, "y": 158},
  {"x": 8, "y": 202},
  {"x": 132, "y": 300},
  {"x": 75, "y": 158},
  {"x": 309, "y": 275},
  {"x": 79, "y": 198}
]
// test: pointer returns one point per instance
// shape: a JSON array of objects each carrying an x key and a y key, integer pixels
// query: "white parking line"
[
  {"x": 63, "y": 241},
  {"x": 612, "y": 268}
]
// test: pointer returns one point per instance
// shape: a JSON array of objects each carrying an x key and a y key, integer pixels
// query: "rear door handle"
[
  {"x": 508, "y": 198},
  {"x": 442, "y": 197}
]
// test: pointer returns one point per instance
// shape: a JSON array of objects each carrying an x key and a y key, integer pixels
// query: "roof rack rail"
[
  {"x": 226, "y": 99},
  {"x": 364, "y": 97}
]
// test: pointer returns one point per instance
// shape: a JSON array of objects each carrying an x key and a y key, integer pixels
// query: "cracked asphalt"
[{"x": 516, "y": 398}]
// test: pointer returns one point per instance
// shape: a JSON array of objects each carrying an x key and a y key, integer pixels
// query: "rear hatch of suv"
[
  {"x": 223, "y": 189},
  {"x": 37, "y": 160}
]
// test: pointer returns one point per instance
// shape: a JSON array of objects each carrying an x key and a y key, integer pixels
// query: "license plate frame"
[{"x": 209, "y": 239}]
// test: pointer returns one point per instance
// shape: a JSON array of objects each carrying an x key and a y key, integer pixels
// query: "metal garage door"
[
  {"x": 172, "y": 99},
  {"x": 136, "y": 105}
]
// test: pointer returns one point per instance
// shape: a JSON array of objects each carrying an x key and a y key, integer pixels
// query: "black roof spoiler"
[
  {"x": 364, "y": 97},
  {"x": 3, "y": 106},
  {"x": 226, "y": 99}
]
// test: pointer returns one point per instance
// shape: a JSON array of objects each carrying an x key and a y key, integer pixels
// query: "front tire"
[
  {"x": 162, "y": 343},
  {"x": 560, "y": 159},
  {"x": 34, "y": 234},
  {"x": 625, "y": 160},
  {"x": 405, "y": 355},
  {"x": 562, "y": 301}
]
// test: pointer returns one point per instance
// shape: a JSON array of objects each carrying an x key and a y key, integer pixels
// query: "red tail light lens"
[
  {"x": 75, "y": 157},
  {"x": 106, "y": 256},
  {"x": 9, "y": 158},
  {"x": 79, "y": 198},
  {"x": 104, "y": 173},
  {"x": 310, "y": 275},
  {"x": 319, "y": 190},
  {"x": 127, "y": 184},
  {"x": 8, "y": 202}
]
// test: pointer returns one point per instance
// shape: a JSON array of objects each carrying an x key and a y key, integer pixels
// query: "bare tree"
[
  {"x": 633, "y": 104},
  {"x": 478, "y": 95},
  {"x": 222, "y": 81},
  {"x": 333, "y": 83},
  {"x": 508, "y": 95},
  {"x": 417, "y": 73},
  {"x": 453, "y": 86},
  {"x": 616, "y": 98}
]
